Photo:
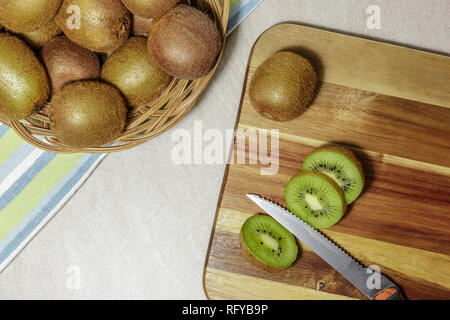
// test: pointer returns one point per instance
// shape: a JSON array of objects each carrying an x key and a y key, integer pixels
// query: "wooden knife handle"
[{"x": 392, "y": 293}]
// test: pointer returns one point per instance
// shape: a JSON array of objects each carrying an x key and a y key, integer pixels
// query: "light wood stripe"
[
  {"x": 363, "y": 64},
  {"x": 222, "y": 285},
  {"x": 392, "y": 256}
]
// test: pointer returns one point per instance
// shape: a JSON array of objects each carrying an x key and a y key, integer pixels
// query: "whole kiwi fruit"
[
  {"x": 67, "y": 61},
  {"x": 149, "y": 8},
  {"x": 37, "y": 39},
  {"x": 133, "y": 71},
  {"x": 24, "y": 16},
  {"x": 24, "y": 84},
  {"x": 104, "y": 24},
  {"x": 283, "y": 86},
  {"x": 87, "y": 114},
  {"x": 185, "y": 42}
]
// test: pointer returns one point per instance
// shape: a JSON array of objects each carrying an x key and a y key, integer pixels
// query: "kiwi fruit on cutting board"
[
  {"x": 87, "y": 114},
  {"x": 283, "y": 86},
  {"x": 27, "y": 15},
  {"x": 105, "y": 24},
  {"x": 341, "y": 165},
  {"x": 316, "y": 199},
  {"x": 24, "y": 84},
  {"x": 67, "y": 61},
  {"x": 133, "y": 71},
  {"x": 37, "y": 39},
  {"x": 185, "y": 42},
  {"x": 266, "y": 244},
  {"x": 149, "y": 8}
]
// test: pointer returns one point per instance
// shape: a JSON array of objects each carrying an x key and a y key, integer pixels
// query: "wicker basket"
[{"x": 144, "y": 122}]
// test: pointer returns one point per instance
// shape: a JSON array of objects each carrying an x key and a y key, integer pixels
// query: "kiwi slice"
[
  {"x": 267, "y": 244},
  {"x": 341, "y": 165},
  {"x": 316, "y": 199}
]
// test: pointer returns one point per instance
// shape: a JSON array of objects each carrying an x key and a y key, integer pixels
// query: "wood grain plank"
[
  {"x": 223, "y": 285},
  {"x": 363, "y": 64},
  {"x": 399, "y": 205},
  {"x": 375, "y": 122},
  {"x": 310, "y": 271},
  {"x": 410, "y": 262}
]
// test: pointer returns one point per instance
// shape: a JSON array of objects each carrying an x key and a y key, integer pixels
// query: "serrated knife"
[{"x": 370, "y": 282}]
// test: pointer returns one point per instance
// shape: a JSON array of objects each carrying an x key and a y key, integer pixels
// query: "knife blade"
[{"x": 370, "y": 282}]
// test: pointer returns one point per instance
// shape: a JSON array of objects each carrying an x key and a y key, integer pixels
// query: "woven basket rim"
[{"x": 144, "y": 122}]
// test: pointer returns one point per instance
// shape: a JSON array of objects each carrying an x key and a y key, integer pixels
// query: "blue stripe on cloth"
[
  {"x": 3, "y": 129},
  {"x": 25, "y": 179},
  {"x": 14, "y": 160},
  {"x": 242, "y": 13},
  {"x": 45, "y": 206}
]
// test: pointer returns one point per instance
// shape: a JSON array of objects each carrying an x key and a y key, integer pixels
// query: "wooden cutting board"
[{"x": 391, "y": 106}]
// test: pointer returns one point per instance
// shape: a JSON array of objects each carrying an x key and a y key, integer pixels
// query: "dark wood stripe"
[
  {"x": 308, "y": 270},
  {"x": 399, "y": 205}
]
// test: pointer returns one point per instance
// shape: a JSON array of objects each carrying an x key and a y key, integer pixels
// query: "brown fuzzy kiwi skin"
[
  {"x": 150, "y": 9},
  {"x": 37, "y": 39},
  {"x": 133, "y": 71},
  {"x": 66, "y": 62},
  {"x": 254, "y": 260},
  {"x": 185, "y": 42},
  {"x": 283, "y": 86},
  {"x": 141, "y": 26},
  {"x": 24, "y": 84},
  {"x": 87, "y": 114},
  {"x": 332, "y": 183},
  {"x": 105, "y": 24},
  {"x": 347, "y": 153},
  {"x": 19, "y": 18}
]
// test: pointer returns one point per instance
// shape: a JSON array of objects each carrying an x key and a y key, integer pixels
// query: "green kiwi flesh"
[
  {"x": 24, "y": 84},
  {"x": 341, "y": 165},
  {"x": 149, "y": 9},
  {"x": 316, "y": 199},
  {"x": 267, "y": 244},
  {"x": 27, "y": 15},
  {"x": 66, "y": 61},
  {"x": 37, "y": 39},
  {"x": 185, "y": 42},
  {"x": 133, "y": 71},
  {"x": 283, "y": 86},
  {"x": 105, "y": 24},
  {"x": 86, "y": 114}
]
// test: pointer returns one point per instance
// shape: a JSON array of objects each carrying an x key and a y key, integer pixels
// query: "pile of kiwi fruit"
[
  {"x": 92, "y": 62},
  {"x": 331, "y": 178}
]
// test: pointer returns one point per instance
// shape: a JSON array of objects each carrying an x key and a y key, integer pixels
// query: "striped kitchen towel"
[
  {"x": 239, "y": 10},
  {"x": 35, "y": 184}
]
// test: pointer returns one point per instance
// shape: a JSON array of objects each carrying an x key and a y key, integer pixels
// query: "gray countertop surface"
[{"x": 139, "y": 228}]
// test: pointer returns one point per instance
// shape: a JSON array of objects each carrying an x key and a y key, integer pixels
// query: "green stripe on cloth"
[
  {"x": 10, "y": 143},
  {"x": 30, "y": 196}
]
